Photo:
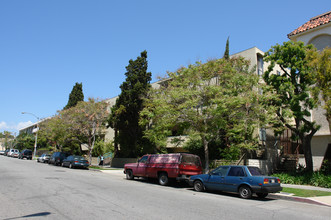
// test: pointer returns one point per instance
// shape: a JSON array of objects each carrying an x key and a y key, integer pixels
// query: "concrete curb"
[{"x": 297, "y": 199}]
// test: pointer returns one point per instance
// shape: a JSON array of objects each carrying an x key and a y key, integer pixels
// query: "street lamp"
[{"x": 36, "y": 137}]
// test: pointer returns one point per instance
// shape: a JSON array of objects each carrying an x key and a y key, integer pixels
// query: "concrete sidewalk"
[{"x": 320, "y": 200}]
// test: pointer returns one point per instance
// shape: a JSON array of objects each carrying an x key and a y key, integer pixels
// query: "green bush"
[{"x": 314, "y": 179}]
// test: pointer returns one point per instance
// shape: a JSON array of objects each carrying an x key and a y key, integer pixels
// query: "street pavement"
[
  {"x": 320, "y": 200},
  {"x": 40, "y": 191}
]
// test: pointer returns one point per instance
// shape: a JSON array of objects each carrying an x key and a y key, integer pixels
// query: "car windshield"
[{"x": 255, "y": 171}]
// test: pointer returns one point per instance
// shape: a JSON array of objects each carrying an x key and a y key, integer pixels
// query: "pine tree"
[
  {"x": 124, "y": 115},
  {"x": 75, "y": 96},
  {"x": 226, "y": 52}
]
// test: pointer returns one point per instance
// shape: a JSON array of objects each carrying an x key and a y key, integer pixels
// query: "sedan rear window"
[
  {"x": 255, "y": 171},
  {"x": 236, "y": 171}
]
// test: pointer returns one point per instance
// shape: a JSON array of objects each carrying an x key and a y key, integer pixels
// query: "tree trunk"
[
  {"x": 306, "y": 145},
  {"x": 205, "y": 146},
  {"x": 116, "y": 152}
]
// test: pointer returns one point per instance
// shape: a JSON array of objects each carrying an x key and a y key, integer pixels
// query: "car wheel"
[
  {"x": 163, "y": 179},
  {"x": 198, "y": 186},
  {"x": 129, "y": 175},
  {"x": 245, "y": 192},
  {"x": 261, "y": 195}
]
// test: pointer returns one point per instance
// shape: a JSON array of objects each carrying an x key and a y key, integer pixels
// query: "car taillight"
[
  {"x": 265, "y": 181},
  {"x": 278, "y": 180},
  {"x": 76, "y": 161}
]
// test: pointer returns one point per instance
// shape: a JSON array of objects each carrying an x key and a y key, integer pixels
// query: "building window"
[
  {"x": 259, "y": 65},
  {"x": 263, "y": 134}
]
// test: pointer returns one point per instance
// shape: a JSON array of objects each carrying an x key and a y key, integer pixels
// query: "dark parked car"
[
  {"x": 25, "y": 154},
  {"x": 57, "y": 158},
  {"x": 6, "y": 152},
  {"x": 244, "y": 180},
  {"x": 44, "y": 158},
  {"x": 75, "y": 161}
]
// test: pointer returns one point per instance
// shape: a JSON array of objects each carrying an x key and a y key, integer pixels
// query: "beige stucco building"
[{"x": 317, "y": 31}]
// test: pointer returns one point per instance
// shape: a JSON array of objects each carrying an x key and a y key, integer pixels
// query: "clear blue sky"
[{"x": 46, "y": 46}]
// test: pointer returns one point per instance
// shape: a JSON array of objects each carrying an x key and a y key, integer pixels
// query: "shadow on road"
[{"x": 31, "y": 216}]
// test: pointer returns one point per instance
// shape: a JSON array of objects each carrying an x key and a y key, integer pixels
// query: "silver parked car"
[
  {"x": 13, "y": 153},
  {"x": 44, "y": 158}
]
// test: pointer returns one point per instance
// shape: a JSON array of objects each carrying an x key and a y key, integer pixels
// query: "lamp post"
[{"x": 36, "y": 137}]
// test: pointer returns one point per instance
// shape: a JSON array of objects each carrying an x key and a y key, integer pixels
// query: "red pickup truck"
[{"x": 179, "y": 166}]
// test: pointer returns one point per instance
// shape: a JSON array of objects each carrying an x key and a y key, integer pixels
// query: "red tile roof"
[{"x": 313, "y": 23}]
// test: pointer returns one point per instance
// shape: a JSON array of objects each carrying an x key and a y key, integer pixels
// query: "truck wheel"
[
  {"x": 129, "y": 175},
  {"x": 261, "y": 195},
  {"x": 245, "y": 192},
  {"x": 198, "y": 186},
  {"x": 163, "y": 179}
]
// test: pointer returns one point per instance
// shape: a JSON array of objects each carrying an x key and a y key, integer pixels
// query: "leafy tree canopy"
[
  {"x": 320, "y": 62},
  {"x": 80, "y": 124},
  {"x": 218, "y": 99},
  {"x": 293, "y": 87}
]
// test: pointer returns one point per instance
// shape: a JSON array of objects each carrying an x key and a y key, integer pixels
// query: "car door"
[
  {"x": 234, "y": 178},
  {"x": 67, "y": 161},
  {"x": 141, "y": 166},
  {"x": 216, "y": 179}
]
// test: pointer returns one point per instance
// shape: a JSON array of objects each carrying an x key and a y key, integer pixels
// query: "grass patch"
[
  {"x": 101, "y": 168},
  {"x": 305, "y": 192}
]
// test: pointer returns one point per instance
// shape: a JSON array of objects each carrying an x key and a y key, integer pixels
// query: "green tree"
[
  {"x": 7, "y": 139},
  {"x": 86, "y": 121},
  {"x": 75, "y": 96},
  {"x": 6, "y": 134},
  {"x": 124, "y": 114},
  {"x": 101, "y": 147},
  {"x": 205, "y": 100},
  {"x": 25, "y": 141},
  {"x": 58, "y": 133},
  {"x": 227, "y": 50},
  {"x": 321, "y": 65},
  {"x": 293, "y": 87}
]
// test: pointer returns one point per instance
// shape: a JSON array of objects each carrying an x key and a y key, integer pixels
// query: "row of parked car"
[
  {"x": 27, "y": 154},
  {"x": 64, "y": 159},
  {"x": 57, "y": 158},
  {"x": 244, "y": 180}
]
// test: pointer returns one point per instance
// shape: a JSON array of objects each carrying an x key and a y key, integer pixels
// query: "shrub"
[{"x": 304, "y": 178}]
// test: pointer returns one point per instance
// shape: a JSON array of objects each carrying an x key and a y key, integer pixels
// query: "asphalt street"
[{"x": 30, "y": 190}]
